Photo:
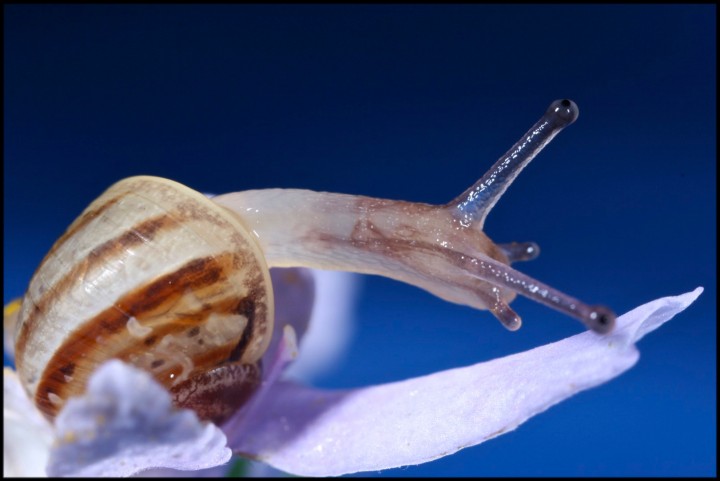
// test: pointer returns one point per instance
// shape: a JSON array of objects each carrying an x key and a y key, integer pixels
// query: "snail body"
[{"x": 158, "y": 275}]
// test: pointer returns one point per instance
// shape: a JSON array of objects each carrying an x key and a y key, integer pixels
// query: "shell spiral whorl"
[{"x": 152, "y": 273}]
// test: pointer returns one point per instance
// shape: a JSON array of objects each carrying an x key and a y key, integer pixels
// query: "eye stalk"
[
  {"x": 520, "y": 251},
  {"x": 439, "y": 248},
  {"x": 473, "y": 205}
]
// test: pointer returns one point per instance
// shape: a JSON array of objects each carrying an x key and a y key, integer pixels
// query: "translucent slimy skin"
[{"x": 440, "y": 248}]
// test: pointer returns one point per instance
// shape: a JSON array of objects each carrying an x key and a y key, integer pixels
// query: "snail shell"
[{"x": 155, "y": 274}]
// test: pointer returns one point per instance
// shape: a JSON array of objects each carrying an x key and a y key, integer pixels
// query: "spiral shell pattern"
[{"x": 152, "y": 273}]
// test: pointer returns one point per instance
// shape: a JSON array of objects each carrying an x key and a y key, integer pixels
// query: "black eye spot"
[
  {"x": 603, "y": 320},
  {"x": 563, "y": 112}
]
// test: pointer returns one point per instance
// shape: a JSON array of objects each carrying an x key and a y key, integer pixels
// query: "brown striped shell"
[{"x": 155, "y": 274}]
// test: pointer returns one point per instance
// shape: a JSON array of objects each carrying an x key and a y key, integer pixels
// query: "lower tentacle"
[
  {"x": 520, "y": 251},
  {"x": 598, "y": 318}
]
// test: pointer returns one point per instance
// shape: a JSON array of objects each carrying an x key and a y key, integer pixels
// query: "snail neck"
[{"x": 420, "y": 244}]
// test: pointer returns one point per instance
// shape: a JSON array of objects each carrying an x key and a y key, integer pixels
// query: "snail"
[{"x": 169, "y": 280}]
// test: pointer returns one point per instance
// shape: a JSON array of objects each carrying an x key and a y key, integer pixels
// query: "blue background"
[{"x": 415, "y": 103}]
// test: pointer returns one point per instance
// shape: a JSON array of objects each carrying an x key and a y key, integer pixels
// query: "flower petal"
[
  {"x": 308, "y": 431},
  {"x": 125, "y": 423},
  {"x": 294, "y": 291},
  {"x": 285, "y": 353},
  {"x": 27, "y": 434},
  {"x": 331, "y": 326}
]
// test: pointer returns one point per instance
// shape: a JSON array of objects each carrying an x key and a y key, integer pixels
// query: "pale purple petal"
[
  {"x": 27, "y": 434},
  {"x": 307, "y": 431},
  {"x": 294, "y": 291},
  {"x": 285, "y": 353},
  {"x": 331, "y": 326},
  {"x": 125, "y": 423}
]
